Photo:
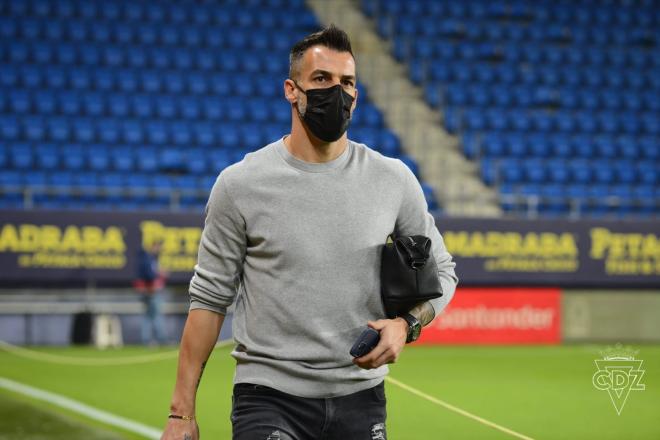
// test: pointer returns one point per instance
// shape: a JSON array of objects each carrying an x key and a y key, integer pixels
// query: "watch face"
[
  {"x": 415, "y": 331},
  {"x": 414, "y": 328}
]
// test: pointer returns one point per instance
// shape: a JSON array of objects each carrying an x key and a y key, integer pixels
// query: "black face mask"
[{"x": 328, "y": 112}]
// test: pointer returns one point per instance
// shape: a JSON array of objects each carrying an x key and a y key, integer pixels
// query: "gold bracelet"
[{"x": 176, "y": 416}]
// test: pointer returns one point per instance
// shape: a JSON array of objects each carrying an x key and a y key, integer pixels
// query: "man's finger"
[
  {"x": 387, "y": 357},
  {"x": 378, "y": 325},
  {"x": 372, "y": 355}
]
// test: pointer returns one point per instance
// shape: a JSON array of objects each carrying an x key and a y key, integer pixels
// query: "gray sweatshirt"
[{"x": 297, "y": 246}]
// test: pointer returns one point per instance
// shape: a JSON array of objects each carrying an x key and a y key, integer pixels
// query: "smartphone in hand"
[{"x": 365, "y": 343}]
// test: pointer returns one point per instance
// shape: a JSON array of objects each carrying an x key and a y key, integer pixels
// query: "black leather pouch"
[{"x": 408, "y": 274}]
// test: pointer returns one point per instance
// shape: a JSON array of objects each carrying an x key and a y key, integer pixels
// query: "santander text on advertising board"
[{"x": 498, "y": 316}]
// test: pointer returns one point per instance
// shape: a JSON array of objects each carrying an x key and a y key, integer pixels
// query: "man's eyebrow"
[
  {"x": 327, "y": 73},
  {"x": 324, "y": 72}
]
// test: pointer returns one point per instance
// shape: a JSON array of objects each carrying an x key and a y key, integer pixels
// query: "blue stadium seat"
[
  {"x": 170, "y": 160},
  {"x": 73, "y": 157},
  {"x": 157, "y": 133},
  {"x": 251, "y": 137},
  {"x": 197, "y": 84},
  {"x": 127, "y": 81},
  {"x": 196, "y": 162},
  {"x": 138, "y": 186},
  {"x": 98, "y": 159},
  {"x": 181, "y": 133},
  {"x": 9, "y": 128},
  {"x": 34, "y": 128},
  {"x": 558, "y": 171},
  {"x": 580, "y": 171},
  {"x": 35, "y": 179},
  {"x": 61, "y": 182},
  {"x": 44, "y": 102},
  {"x": 389, "y": 144},
  {"x": 132, "y": 132},
  {"x": 142, "y": 106},
  {"x": 47, "y": 156},
  {"x": 204, "y": 134},
  {"x": 122, "y": 159},
  {"x": 535, "y": 171},
  {"x": 20, "y": 101},
  {"x": 219, "y": 159},
  {"x": 90, "y": 54},
  {"x": 150, "y": 82},
  {"x": 104, "y": 79},
  {"x": 93, "y": 104},
  {"x": 84, "y": 130},
  {"x": 80, "y": 79},
  {"x": 189, "y": 107},
  {"x": 166, "y": 107}
]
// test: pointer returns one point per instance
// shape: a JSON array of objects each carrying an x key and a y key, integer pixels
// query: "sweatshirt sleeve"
[
  {"x": 414, "y": 219},
  {"x": 221, "y": 253}
]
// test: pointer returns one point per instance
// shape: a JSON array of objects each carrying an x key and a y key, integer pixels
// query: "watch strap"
[{"x": 414, "y": 327}]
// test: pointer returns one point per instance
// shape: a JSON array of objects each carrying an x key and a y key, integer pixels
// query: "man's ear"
[
  {"x": 355, "y": 98},
  {"x": 289, "y": 91}
]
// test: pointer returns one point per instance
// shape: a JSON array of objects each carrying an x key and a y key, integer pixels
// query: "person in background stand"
[{"x": 150, "y": 283}]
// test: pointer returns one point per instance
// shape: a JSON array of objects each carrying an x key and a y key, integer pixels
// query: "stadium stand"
[
  {"x": 558, "y": 101},
  {"x": 113, "y": 104}
]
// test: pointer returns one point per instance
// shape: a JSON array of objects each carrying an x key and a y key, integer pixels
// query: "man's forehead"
[{"x": 329, "y": 60}]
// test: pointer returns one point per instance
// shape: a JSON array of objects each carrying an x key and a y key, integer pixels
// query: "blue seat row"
[
  {"x": 121, "y": 159},
  {"x": 560, "y": 200},
  {"x": 511, "y": 119},
  {"x": 80, "y": 31},
  {"x": 414, "y": 47},
  {"x": 461, "y": 94},
  {"x": 266, "y": 13},
  {"x": 139, "y": 131},
  {"x": 82, "y": 80},
  {"x": 425, "y": 71},
  {"x": 584, "y": 171},
  {"x": 202, "y": 147},
  {"x": 91, "y": 182},
  {"x": 499, "y": 144},
  {"x": 641, "y": 13},
  {"x": 430, "y": 26},
  {"x": 45, "y": 103},
  {"x": 105, "y": 202},
  {"x": 95, "y": 56}
]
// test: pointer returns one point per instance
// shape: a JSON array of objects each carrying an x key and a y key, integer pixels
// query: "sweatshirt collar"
[{"x": 322, "y": 167}]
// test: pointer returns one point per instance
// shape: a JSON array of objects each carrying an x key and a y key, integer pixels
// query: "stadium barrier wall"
[
  {"x": 40, "y": 317},
  {"x": 611, "y": 315},
  {"x": 49, "y": 246}
]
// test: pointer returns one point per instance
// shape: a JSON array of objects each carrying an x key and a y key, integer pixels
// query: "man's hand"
[
  {"x": 181, "y": 430},
  {"x": 393, "y": 334}
]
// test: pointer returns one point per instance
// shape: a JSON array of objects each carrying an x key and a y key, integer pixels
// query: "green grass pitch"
[{"x": 543, "y": 392}]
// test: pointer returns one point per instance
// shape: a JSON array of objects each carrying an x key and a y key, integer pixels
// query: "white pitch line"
[
  {"x": 81, "y": 408},
  {"x": 456, "y": 409},
  {"x": 91, "y": 361}
]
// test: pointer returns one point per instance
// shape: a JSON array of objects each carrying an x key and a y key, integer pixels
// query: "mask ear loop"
[{"x": 298, "y": 87}]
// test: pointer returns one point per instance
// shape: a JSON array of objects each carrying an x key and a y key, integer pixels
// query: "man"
[
  {"x": 294, "y": 232},
  {"x": 151, "y": 281}
]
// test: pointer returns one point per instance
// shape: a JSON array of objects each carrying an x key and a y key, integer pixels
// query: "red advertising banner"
[{"x": 498, "y": 316}]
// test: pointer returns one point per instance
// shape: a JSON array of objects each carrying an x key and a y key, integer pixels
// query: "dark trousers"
[{"x": 263, "y": 413}]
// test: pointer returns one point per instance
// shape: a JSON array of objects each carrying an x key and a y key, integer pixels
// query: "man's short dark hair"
[{"x": 331, "y": 37}]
